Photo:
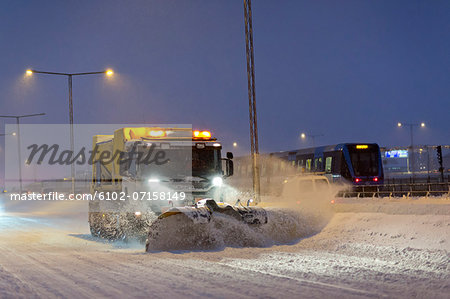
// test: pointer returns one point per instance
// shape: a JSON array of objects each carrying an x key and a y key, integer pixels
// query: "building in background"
[{"x": 397, "y": 161}]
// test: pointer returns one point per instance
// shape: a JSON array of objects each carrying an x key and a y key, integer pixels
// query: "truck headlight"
[{"x": 217, "y": 181}]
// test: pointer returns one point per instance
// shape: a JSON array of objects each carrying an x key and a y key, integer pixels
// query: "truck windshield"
[
  {"x": 206, "y": 162},
  {"x": 176, "y": 163},
  {"x": 182, "y": 163}
]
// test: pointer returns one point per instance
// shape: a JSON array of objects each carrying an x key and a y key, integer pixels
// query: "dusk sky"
[{"x": 347, "y": 69}]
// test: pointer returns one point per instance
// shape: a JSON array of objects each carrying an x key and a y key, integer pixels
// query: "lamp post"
[
  {"x": 18, "y": 117},
  {"x": 69, "y": 77},
  {"x": 312, "y": 136},
  {"x": 411, "y": 126}
]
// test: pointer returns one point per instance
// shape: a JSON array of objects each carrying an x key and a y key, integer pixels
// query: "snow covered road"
[{"x": 357, "y": 255}]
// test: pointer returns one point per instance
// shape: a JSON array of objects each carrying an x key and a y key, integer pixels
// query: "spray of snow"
[{"x": 294, "y": 215}]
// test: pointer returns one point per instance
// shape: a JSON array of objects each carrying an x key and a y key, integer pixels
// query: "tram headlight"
[{"x": 217, "y": 181}]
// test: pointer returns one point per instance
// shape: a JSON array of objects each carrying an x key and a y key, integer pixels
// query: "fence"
[{"x": 400, "y": 189}]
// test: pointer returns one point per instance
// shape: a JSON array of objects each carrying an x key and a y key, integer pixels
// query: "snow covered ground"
[{"x": 368, "y": 248}]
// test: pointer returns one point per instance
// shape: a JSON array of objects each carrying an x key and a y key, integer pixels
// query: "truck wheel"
[
  {"x": 94, "y": 224},
  {"x": 111, "y": 228}
]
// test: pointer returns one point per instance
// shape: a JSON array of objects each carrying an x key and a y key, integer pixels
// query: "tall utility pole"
[
  {"x": 18, "y": 117},
  {"x": 251, "y": 97}
]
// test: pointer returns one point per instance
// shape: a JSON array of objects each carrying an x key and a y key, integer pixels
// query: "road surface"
[{"x": 48, "y": 254}]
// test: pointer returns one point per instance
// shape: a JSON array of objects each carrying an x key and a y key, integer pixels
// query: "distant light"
[
  {"x": 216, "y": 144},
  {"x": 109, "y": 72},
  {"x": 14, "y": 134},
  {"x": 303, "y": 135},
  {"x": 399, "y": 124},
  {"x": 137, "y": 213},
  {"x": 375, "y": 179},
  {"x": 422, "y": 125},
  {"x": 153, "y": 180},
  {"x": 234, "y": 144},
  {"x": 29, "y": 72},
  {"x": 362, "y": 146},
  {"x": 357, "y": 180}
]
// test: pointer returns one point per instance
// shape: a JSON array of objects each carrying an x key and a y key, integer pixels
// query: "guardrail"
[{"x": 399, "y": 190}]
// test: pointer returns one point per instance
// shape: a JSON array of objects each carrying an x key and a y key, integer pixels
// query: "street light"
[
  {"x": 18, "y": 117},
  {"x": 234, "y": 144},
  {"x": 411, "y": 126},
  {"x": 312, "y": 136},
  {"x": 107, "y": 72}
]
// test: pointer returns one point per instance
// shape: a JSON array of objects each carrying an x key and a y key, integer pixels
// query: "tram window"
[
  {"x": 337, "y": 160},
  {"x": 328, "y": 161},
  {"x": 308, "y": 164},
  {"x": 316, "y": 164}
]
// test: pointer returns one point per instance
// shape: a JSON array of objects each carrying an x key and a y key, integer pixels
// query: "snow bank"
[{"x": 400, "y": 231}]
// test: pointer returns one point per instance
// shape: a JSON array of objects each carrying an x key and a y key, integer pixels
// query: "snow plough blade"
[{"x": 193, "y": 227}]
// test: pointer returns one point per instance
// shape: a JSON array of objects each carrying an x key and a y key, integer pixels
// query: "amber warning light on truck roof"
[
  {"x": 362, "y": 146},
  {"x": 201, "y": 134}
]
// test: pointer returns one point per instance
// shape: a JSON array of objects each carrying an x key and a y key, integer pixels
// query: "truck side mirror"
[
  {"x": 229, "y": 155},
  {"x": 230, "y": 167}
]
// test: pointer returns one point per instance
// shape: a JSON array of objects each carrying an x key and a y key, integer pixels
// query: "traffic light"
[{"x": 439, "y": 154}]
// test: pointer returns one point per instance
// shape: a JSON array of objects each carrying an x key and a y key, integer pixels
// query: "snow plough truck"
[{"x": 144, "y": 176}]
